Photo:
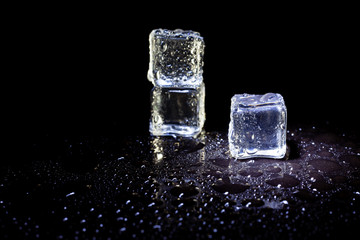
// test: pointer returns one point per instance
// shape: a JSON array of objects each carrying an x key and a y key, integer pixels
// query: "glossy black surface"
[{"x": 157, "y": 188}]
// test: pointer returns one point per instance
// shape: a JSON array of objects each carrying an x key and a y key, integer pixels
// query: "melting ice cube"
[
  {"x": 258, "y": 126},
  {"x": 176, "y": 58}
]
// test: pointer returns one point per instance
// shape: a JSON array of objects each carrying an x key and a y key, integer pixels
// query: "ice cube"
[
  {"x": 177, "y": 111},
  {"x": 176, "y": 58},
  {"x": 257, "y": 126}
]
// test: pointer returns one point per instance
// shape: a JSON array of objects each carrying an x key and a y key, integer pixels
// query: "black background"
[{"x": 84, "y": 71}]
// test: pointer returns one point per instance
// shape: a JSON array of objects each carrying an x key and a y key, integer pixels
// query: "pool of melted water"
[{"x": 143, "y": 187}]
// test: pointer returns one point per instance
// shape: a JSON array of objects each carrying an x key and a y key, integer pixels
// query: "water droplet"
[
  {"x": 325, "y": 165},
  {"x": 184, "y": 191},
  {"x": 353, "y": 160},
  {"x": 273, "y": 169},
  {"x": 70, "y": 194},
  {"x": 156, "y": 227},
  {"x": 251, "y": 150},
  {"x": 230, "y": 188},
  {"x": 163, "y": 46},
  {"x": 286, "y": 181},
  {"x": 221, "y": 162},
  {"x": 253, "y": 203},
  {"x": 252, "y": 172}
]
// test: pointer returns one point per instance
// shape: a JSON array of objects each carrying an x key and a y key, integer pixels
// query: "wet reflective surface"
[{"x": 161, "y": 188}]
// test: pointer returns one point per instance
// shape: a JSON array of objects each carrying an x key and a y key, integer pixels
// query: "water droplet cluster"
[{"x": 157, "y": 187}]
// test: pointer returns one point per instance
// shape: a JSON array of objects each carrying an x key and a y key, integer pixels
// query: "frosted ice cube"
[
  {"x": 176, "y": 58},
  {"x": 177, "y": 111},
  {"x": 258, "y": 126}
]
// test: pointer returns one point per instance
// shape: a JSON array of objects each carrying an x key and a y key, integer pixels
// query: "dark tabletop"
[{"x": 159, "y": 188}]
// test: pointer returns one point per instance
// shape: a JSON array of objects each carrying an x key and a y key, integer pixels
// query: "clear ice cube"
[
  {"x": 257, "y": 126},
  {"x": 177, "y": 111},
  {"x": 176, "y": 58}
]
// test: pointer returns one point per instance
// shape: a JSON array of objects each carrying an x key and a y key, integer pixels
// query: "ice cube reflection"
[
  {"x": 169, "y": 151},
  {"x": 158, "y": 149},
  {"x": 188, "y": 188}
]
